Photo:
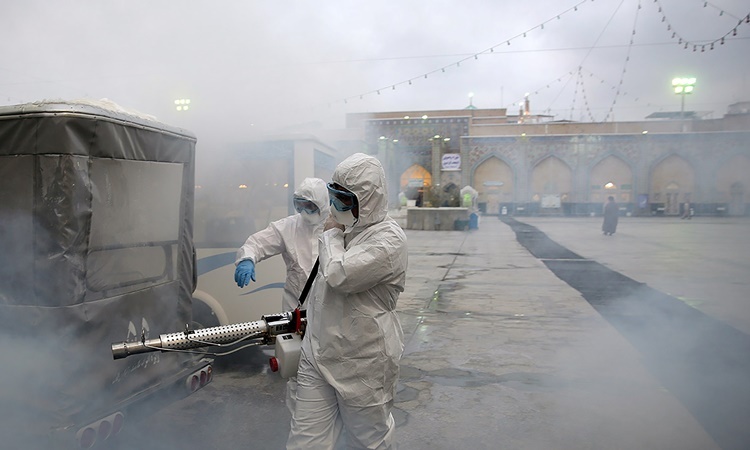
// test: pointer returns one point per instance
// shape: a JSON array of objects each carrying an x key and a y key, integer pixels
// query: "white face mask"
[
  {"x": 312, "y": 219},
  {"x": 345, "y": 218}
]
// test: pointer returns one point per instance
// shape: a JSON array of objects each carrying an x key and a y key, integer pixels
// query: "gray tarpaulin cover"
[{"x": 96, "y": 210}]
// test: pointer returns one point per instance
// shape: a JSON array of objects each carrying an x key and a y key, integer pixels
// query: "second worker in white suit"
[{"x": 294, "y": 237}]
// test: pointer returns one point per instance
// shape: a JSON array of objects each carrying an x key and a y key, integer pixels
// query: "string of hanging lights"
[
  {"x": 580, "y": 83},
  {"x": 585, "y": 98},
  {"x": 590, "y": 49},
  {"x": 473, "y": 56},
  {"x": 603, "y": 81},
  {"x": 624, "y": 67},
  {"x": 703, "y": 45},
  {"x": 581, "y": 74},
  {"x": 575, "y": 95},
  {"x": 549, "y": 85}
]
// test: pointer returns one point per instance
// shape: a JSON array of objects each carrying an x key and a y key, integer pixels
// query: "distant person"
[
  {"x": 294, "y": 237},
  {"x": 402, "y": 200},
  {"x": 611, "y": 213},
  {"x": 686, "y": 213},
  {"x": 467, "y": 203}
]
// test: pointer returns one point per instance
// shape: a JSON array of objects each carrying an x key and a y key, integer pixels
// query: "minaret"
[
  {"x": 471, "y": 101},
  {"x": 526, "y": 107}
]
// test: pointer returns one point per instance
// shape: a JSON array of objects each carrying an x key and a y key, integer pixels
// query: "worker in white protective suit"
[
  {"x": 294, "y": 237},
  {"x": 350, "y": 354}
]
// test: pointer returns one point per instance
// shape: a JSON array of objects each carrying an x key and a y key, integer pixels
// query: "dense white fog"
[
  {"x": 256, "y": 68},
  {"x": 249, "y": 66}
]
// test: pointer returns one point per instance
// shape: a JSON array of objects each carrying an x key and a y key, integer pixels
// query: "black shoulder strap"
[{"x": 313, "y": 273}]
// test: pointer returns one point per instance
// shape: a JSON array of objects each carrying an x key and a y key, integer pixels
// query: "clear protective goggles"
[
  {"x": 341, "y": 199},
  {"x": 302, "y": 204}
]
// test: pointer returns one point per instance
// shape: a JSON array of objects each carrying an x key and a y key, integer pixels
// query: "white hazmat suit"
[
  {"x": 294, "y": 237},
  {"x": 353, "y": 343}
]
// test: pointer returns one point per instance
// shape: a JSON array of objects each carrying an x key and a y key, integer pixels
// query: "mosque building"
[{"x": 531, "y": 164}]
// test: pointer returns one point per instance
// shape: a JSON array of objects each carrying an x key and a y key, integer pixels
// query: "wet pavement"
[
  {"x": 502, "y": 353},
  {"x": 705, "y": 262},
  {"x": 703, "y": 361}
]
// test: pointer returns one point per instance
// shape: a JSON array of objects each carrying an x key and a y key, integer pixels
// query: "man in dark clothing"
[{"x": 611, "y": 211}]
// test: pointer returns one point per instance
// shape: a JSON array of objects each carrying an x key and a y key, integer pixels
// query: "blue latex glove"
[{"x": 244, "y": 273}]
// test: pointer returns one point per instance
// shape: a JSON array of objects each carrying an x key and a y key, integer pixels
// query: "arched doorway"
[
  {"x": 611, "y": 176},
  {"x": 551, "y": 184},
  {"x": 731, "y": 179},
  {"x": 414, "y": 181},
  {"x": 493, "y": 179},
  {"x": 672, "y": 199},
  {"x": 737, "y": 206},
  {"x": 672, "y": 182}
]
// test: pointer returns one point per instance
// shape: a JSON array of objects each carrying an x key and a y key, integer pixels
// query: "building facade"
[{"x": 529, "y": 165}]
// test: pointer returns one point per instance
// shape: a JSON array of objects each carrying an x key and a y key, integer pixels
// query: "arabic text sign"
[{"x": 451, "y": 161}]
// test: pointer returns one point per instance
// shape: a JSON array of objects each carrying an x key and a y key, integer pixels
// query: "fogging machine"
[{"x": 284, "y": 331}]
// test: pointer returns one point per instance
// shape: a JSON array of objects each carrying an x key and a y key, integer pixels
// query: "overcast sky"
[{"x": 277, "y": 63}]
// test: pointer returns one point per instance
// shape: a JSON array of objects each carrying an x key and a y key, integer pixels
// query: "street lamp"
[
  {"x": 682, "y": 87},
  {"x": 182, "y": 104}
]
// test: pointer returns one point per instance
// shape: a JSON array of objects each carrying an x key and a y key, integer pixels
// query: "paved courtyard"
[
  {"x": 501, "y": 353},
  {"x": 704, "y": 261}
]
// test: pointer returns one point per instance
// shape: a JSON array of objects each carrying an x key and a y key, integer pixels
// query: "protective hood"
[
  {"x": 469, "y": 190},
  {"x": 363, "y": 175},
  {"x": 314, "y": 189}
]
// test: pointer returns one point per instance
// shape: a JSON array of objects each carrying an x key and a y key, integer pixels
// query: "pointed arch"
[
  {"x": 732, "y": 181},
  {"x": 550, "y": 176},
  {"x": 671, "y": 182},
  {"x": 415, "y": 176},
  {"x": 494, "y": 179},
  {"x": 613, "y": 176}
]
